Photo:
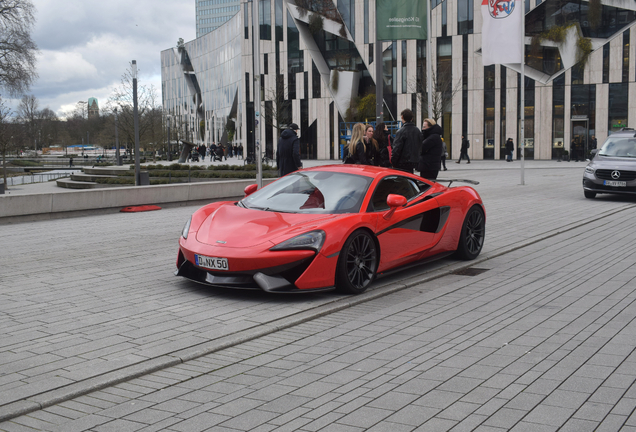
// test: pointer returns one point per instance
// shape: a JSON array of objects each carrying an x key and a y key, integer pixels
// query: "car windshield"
[
  {"x": 311, "y": 192},
  {"x": 619, "y": 147}
]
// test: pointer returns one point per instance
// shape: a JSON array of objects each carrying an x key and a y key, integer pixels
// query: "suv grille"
[{"x": 605, "y": 174}]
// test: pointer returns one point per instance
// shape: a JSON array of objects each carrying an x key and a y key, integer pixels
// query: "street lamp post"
[
  {"x": 169, "y": 149},
  {"x": 256, "y": 62},
  {"x": 117, "y": 155},
  {"x": 136, "y": 121}
]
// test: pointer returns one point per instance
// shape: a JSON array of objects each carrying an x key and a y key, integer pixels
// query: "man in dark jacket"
[
  {"x": 406, "y": 147},
  {"x": 288, "y": 154},
  {"x": 432, "y": 149},
  {"x": 463, "y": 152}
]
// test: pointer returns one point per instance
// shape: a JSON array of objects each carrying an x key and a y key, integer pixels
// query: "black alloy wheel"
[
  {"x": 357, "y": 263},
  {"x": 471, "y": 240}
]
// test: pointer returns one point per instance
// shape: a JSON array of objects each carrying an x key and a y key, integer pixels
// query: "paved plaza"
[{"x": 98, "y": 335}]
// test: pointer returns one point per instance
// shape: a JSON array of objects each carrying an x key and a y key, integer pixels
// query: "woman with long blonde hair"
[{"x": 357, "y": 148}]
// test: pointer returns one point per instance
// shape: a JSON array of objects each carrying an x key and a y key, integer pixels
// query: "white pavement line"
[{"x": 65, "y": 393}]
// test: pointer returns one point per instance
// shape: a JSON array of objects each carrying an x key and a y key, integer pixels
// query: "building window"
[
  {"x": 278, "y": 12},
  {"x": 404, "y": 76},
  {"x": 558, "y": 117},
  {"x": 246, "y": 20},
  {"x": 618, "y": 98},
  {"x": 265, "y": 64},
  {"x": 625, "y": 56},
  {"x": 366, "y": 21},
  {"x": 347, "y": 11},
  {"x": 489, "y": 112},
  {"x": 502, "y": 104},
  {"x": 606, "y": 62},
  {"x": 315, "y": 81},
  {"x": 265, "y": 19},
  {"x": 464, "y": 17},
  {"x": 444, "y": 18}
]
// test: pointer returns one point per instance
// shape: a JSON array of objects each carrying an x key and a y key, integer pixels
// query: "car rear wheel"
[
  {"x": 473, "y": 233},
  {"x": 589, "y": 194},
  {"x": 357, "y": 263}
]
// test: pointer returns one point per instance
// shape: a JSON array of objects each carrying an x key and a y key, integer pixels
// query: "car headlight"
[
  {"x": 186, "y": 228},
  {"x": 589, "y": 170},
  {"x": 312, "y": 240}
]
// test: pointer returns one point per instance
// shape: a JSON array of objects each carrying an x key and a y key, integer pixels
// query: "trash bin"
[{"x": 144, "y": 178}]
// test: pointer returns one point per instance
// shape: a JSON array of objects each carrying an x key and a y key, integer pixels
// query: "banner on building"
[
  {"x": 501, "y": 38},
  {"x": 400, "y": 19}
]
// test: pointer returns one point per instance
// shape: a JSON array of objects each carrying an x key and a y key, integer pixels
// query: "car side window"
[{"x": 397, "y": 185}]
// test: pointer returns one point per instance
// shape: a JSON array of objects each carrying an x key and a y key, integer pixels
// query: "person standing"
[
  {"x": 357, "y": 150},
  {"x": 381, "y": 136},
  {"x": 373, "y": 149},
  {"x": 593, "y": 144},
  {"x": 432, "y": 150},
  {"x": 407, "y": 144},
  {"x": 288, "y": 153},
  {"x": 444, "y": 154},
  {"x": 574, "y": 151},
  {"x": 510, "y": 147},
  {"x": 463, "y": 153}
]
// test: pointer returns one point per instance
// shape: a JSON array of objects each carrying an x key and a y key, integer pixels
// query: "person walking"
[
  {"x": 407, "y": 144},
  {"x": 288, "y": 153},
  {"x": 357, "y": 149},
  {"x": 463, "y": 153},
  {"x": 510, "y": 147},
  {"x": 381, "y": 136},
  {"x": 432, "y": 150}
]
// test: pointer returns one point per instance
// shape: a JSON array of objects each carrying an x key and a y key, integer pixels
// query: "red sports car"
[{"x": 329, "y": 227}]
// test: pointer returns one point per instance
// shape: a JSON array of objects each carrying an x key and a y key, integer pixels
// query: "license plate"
[
  {"x": 211, "y": 263},
  {"x": 615, "y": 183}
]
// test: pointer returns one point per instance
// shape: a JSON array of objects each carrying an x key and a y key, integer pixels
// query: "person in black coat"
[
  {"x": 432, "y": 150},
  {"x": 288, "y": 154},
  {"x": 408, "y": 142},
  {"x": 381, "y": 135},
  {"x": 510, "y": 147},
  {"x": 357, "y": 149},
  {"x": 463, "y": 152}
]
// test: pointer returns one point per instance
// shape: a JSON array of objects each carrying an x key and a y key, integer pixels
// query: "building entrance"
[{"x": 579, "y": 146}]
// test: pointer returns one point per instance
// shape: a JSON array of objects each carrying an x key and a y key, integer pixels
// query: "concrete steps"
[
  {"x": 73, "y": 184},
  {"x": 88, "y": 178}
]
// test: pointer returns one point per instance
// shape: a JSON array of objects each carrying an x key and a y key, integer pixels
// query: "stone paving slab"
[
  {"x": 90, "y": 302},
  {"x": 544, "y": 340}
]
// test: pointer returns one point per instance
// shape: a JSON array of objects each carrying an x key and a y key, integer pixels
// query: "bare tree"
[
  {"x": 6, "y": 142},
  {"x": 28, "y": 113},
  {"x": 17, "y": 50},
  {"x": 122, "y": 98},
  {"x": 443, "y": 91},
  {"x": 278, "y": 113}
]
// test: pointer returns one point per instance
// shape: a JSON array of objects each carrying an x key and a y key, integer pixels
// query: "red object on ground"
[{"x": 140, "y": 208}]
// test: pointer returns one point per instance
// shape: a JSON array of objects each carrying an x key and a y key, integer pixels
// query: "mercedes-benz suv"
[{"x": 613, "y": 168}]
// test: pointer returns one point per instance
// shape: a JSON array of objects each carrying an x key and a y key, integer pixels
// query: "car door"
[{"x": 410, "y": 230}]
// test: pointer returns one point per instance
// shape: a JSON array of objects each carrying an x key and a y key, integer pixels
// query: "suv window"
[
  {"x": 408, "y": 188},
  {"x": 619, "y": 147}
]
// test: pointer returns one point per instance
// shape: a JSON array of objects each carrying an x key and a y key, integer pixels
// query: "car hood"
[
  {"x": 234, "y": 226},
  {"x": 608, "y": 162}
]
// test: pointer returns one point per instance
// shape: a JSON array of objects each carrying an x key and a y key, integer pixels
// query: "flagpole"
[{"x": 523, "y": 91}]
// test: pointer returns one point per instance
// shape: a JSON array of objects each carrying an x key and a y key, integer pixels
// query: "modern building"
[
  {"x": 210, "y": 14},
  {"x": 93, "y": 108},
  {"x": 317, "y": 69}
]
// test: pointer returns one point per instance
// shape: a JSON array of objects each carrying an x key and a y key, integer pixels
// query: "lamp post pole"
[
  {"x": 256, "y": 61},
  {"x": 117, "y": 155},
  {"x": 136, "y": 117},
  {"x": 169, "y": 149}
]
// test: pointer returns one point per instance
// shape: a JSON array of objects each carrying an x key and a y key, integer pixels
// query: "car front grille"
[{"x": 604, "y": 174}]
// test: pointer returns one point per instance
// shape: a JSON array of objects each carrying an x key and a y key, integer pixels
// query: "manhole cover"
[{"x": 472, "y": 271}]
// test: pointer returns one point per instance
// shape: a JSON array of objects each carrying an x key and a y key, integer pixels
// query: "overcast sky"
[{"x": 87, "y": 45}]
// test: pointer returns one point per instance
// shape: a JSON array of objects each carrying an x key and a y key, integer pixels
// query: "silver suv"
[{"x": 613, "y": 168}]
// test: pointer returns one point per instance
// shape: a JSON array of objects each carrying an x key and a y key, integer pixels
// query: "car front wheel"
[
  {"x": 473, "y": 233},
  {"x": 357, "y": 263}
]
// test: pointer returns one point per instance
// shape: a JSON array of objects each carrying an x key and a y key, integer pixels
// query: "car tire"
[
  {"x": 589, "y": 194},
  {"x": 357, "y": 263},
  {"x": 471, "y": 240}
]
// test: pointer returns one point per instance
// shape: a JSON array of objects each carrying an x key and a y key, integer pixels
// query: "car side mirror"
[
  {"x": 594, "y": 151},
  {"x": 394, "y": 201},
  {"x": 249, "y": 190}
]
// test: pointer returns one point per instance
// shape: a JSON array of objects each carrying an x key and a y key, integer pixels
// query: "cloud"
[{"x": 87, "y": 45}]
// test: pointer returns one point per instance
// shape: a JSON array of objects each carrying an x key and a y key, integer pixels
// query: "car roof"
[
  {"x": 625, "y": 132},
  {"x": 363, "y": 170}
]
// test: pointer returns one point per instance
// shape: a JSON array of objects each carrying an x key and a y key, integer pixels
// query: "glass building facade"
[{"x": 317, "y": 63}]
